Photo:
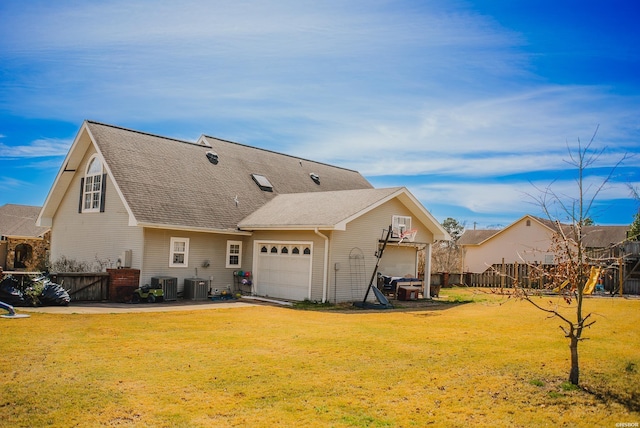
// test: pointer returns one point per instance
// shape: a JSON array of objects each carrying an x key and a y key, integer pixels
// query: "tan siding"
[
  {"x": 109, "y": 232},
  {"x": 350, "y": 282},
  {"x": 202, "y": 247},
  {"x": 518, "y": 243}
]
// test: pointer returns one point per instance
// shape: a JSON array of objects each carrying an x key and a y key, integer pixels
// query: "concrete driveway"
[{"x": 119, "y": 308}]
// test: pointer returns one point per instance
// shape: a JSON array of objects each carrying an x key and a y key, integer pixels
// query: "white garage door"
[{"x": 283, "y": 270}]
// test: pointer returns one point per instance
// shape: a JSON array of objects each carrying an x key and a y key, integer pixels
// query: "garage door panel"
[{"x": 283, "y": 275}]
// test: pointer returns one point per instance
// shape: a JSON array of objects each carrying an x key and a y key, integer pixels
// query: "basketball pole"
[{"x": 375, "y": 271}]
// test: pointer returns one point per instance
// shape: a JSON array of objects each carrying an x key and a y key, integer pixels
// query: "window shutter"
[
  {"x": 81, "y": 194},
  {"x": 104, "y": 189}
]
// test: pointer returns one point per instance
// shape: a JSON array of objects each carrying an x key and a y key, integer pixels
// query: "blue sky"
[{"x": 472, "y": 105}]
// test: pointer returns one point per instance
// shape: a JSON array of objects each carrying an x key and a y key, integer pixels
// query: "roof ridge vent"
[{"x": 213, "y": 157}]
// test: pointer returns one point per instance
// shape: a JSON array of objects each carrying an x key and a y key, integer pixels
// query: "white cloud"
[
  {"x": 38, "y": 148},
  {"x": 317, "y": 61},
  {"x": 524, "y": 131},
  {"x": 477, "y": 197},
  {"x": 594, "y": 187},
  {"x": 10, "y": 183},
  {"x": 511, "y": 200}
]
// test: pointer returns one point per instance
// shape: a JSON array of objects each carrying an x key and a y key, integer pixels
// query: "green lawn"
[{"x": 491, "y": 362}]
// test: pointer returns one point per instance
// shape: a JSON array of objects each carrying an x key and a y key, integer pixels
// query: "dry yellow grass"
[{"x": 480, "y": 363}]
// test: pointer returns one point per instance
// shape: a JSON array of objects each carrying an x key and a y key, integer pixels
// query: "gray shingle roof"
[
  {"x": 474, "y": 237},
  {"x": 603, "y": 236},
  {"x": 20, "y": 220},
  {"x": 318, "y": 209},
  {"x": 171, "y": 182}
]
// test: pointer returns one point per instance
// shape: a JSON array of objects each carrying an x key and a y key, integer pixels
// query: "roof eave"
[
  {"x": 194, "y": 229},
  {"x": 498, "y": 232},
  {"x": 298, "y": 227},
  {"x": 62, "y": 181},
  {"x": 39, "y": 237}
]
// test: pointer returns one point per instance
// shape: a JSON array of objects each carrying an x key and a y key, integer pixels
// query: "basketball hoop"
[{"x": 408, "y": 235}]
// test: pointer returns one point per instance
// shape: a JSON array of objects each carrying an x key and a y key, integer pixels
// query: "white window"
[
  {"x": 92, "y": 187},
  {"x": 399, "y": 224},
  {"x": 179, "y": 253},
  {"x": 234, "y": 254},
  {"x": 549, "y": 259}
]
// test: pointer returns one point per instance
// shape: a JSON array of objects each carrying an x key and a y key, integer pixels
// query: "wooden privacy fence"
[
  {"x": 631, "y": 286},
  {"x": 498, "y": 276},
  {"x": 92, "y": 287},
  {"x": 505, "y": 276},
  {"x": 446, "y": 279}
]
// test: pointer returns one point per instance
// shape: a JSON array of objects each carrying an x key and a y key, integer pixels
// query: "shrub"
[{"x": 64, "y": 264}]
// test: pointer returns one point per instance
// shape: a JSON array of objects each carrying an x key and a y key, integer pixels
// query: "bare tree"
[
  {"x": 572, "y": 268},
  {"x": 446, "y": 254}
]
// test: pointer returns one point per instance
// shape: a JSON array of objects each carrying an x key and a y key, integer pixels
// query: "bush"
[{"x": 64, "y": 264}]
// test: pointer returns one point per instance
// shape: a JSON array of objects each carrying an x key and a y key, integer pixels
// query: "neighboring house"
[
  {"x": 604, "y": 242},
  {"x": 23, "y": 245},
  {"x": 209, "y": 209},
  {"x": 528, "y": 240}
]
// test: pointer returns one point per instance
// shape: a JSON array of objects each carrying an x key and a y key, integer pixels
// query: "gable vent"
[
  {"x": 213, "y": 157},
  {"x": 262, "y": 182},
  {"x": 315, "y": 178}
]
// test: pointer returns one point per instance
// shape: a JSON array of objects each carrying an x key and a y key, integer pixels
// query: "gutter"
[
  {"x": 326, "y": 261},
  {"x": 235, "y": 232}
]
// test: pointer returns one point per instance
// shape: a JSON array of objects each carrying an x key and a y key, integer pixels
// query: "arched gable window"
[{"x": 93, "y": 186}]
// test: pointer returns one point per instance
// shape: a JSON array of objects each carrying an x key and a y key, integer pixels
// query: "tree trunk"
[{"x": 574, "y": 374}]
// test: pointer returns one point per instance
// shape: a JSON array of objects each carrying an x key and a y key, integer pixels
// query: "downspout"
[
  {"x": 326, "y": 268},
  {"x": 427, "y": 272}
]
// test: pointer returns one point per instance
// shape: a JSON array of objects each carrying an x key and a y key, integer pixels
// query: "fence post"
[{"x": 621, "y": 275}]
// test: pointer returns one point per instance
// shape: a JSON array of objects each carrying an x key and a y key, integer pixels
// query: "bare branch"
[
  {"x": 567, "y": 333},
  {"x": 549, "y": 311},
  {"x": 604, "y": 183}
]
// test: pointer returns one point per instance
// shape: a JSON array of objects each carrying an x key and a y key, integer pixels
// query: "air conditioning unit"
[
  {"x": 169, "y": 286},
  {"x": 196, "y": 288}
]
